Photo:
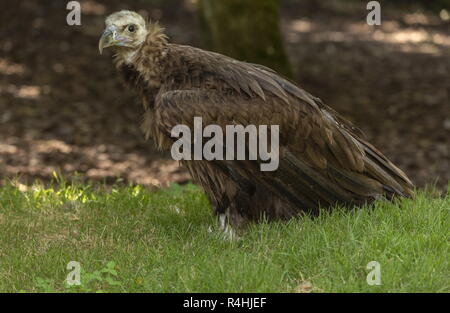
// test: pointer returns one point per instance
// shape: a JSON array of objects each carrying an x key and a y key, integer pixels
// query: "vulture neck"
[{"x": 148, "y": 58}]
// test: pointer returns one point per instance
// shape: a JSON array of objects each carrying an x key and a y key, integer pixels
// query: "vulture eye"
[{"x": 131, "y": 28}]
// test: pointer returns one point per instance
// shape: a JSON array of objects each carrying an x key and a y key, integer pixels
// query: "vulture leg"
[{"x": 225, "y": 226}]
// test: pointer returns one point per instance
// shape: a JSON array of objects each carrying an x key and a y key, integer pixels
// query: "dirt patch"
[
  {"x": 393, "y": 80},
  {"x": 63, "y": 107}
]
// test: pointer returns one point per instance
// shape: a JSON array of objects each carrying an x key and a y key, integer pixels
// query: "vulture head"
[{"x": 125, "y": 30}]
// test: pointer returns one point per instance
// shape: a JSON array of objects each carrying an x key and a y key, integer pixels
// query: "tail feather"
[{"x": 380, "y": 168}]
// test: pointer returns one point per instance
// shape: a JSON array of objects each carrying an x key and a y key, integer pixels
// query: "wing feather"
[{"x": 324, "y": 159}]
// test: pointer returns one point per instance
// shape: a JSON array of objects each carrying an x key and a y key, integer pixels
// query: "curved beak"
[{"x": 108, "y": 38}]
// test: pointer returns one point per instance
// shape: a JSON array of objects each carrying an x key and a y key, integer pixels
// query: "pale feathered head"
[{"x": 125, "y": 29}]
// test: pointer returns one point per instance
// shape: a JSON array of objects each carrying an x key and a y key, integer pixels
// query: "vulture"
[{"x": 323, "y": 160}]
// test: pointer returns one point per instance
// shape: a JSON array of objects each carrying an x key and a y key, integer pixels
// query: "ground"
[
  {"x": 63, "y": 108},
  {"x": 131, "y": 240}
]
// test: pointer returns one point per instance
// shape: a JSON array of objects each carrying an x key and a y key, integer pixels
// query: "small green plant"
[
  {"x": 98, "y": 281},
  {"x": 45, "y": 285}
]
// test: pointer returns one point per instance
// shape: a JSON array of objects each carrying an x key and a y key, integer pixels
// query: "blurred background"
[{"x": 63, "y": 108}]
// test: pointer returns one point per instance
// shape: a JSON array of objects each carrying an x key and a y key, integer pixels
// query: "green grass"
[{"x": 130, "y": 239}]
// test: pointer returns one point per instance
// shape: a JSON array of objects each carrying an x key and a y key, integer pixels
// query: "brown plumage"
[{"x": 324, "y": 160}]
